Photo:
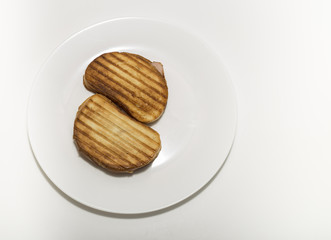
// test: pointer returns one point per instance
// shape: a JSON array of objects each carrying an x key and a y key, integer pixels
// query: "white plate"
[{"x": 197, "y": 128}]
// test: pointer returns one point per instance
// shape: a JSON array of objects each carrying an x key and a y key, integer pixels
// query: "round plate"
[{"x": 197, "y": 128}]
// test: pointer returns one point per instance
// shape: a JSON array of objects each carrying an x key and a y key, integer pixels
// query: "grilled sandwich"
[
  {"x": 112, "y": 139},
  {"x": 131, "y": 81}
]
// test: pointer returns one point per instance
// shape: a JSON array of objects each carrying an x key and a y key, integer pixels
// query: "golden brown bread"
[
  {"x": 112, "y": 139},
  {"x": 131, "y": 81}
]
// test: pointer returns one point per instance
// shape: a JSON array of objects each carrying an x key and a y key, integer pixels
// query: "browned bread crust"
[
  {"x": 112, "y": 139},
  {"x": 131, "y": 81}
]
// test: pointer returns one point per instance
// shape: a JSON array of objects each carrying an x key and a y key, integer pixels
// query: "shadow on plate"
[{"x": 124, "y": 215}]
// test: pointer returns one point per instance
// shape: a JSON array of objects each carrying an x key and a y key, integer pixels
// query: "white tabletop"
[{"x": 276, "y": 182}]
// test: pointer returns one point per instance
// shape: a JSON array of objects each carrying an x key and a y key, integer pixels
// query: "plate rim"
[{"x": 165, "y": 206}]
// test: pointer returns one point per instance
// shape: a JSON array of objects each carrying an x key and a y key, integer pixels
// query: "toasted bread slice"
[
  {"x": 112, "y": 139},
  {"x": 131, "y": 81}
]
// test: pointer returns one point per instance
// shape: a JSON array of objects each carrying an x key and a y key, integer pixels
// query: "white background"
[{"x": 276, "y": 183}]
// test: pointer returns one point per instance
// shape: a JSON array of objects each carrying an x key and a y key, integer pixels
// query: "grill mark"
[
  {"x": 153, "y": 97},
  {"x": 116, "y": 96},
  {"x": 137, "y": 79},
  {"x": 128, "y": 143},
  {"x": 112, "y": 142},
  {"x": 140, "y": 59},
  {"x": 120, "y": 100},
  {"x": 143, "y": 61},
  {"x": 136, "y": 59},
  {"x": 142, "y": 73},
  {"x": 150, "y": 104},
  {"x": 113, "y": 92},
  {"x": 137, "y": 130},
  {"x": 104, "y": 159},
  {"x": 104, "y": 147},
  {"x": 103, "y": 162},
  {"x": 122, "y": 129},
  {"x": 147, "y": 63}
]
